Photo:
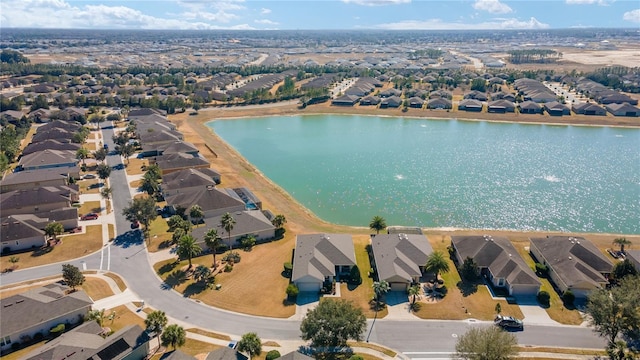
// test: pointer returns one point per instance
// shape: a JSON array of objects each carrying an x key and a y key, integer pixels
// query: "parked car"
[
  {"x": 135, "y": 224},
  {"x": 233, "y": 344},
  {"x": 89, "y": 216},
  {"x": 508, "y": 322}
]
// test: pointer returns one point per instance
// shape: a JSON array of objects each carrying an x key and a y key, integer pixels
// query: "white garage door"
[
  {"x": 308, "y": 286},
  {"x": 397, "y": 286}
]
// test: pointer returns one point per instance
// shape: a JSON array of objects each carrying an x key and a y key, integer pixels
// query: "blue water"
[{"x": 448, "y": 173}]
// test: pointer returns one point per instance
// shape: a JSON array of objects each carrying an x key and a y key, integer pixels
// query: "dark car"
[
  {"x": 135, "y": 224},
  {"x": 508, "y": 322},
  {"x": 89, "y": 216}
]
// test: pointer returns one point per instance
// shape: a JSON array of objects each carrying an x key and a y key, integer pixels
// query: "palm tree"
[
  {"x": 279, "y": 221},
  {"x": 380, "y": 288},
  {"x": 174, "y": 335},
  {"x": 53, "y": 229},
  {"x": 414, "y": 291},
  {"x": 196, "y": 213},
  {"x": 227, "y": 223},
  {"x": 82, "y": 154},
  {"x": 436, "y": 263},
  {"x": 97, "y": 315},
  {"x": 251, "y": 344},
  {"x": 187, "y": 248},
  {"x": 621, "y": 242},
  {"x": 201, "y": 274},
  {"x": 378, "y": 223},
  {"x": 100, "y": 154},
  {"x": 106, "y": 193},
  {"x": 212, "y": 240},
  {"x": 155, "y": 321}
]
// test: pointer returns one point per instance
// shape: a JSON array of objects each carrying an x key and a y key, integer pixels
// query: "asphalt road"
[{"x": 129, "y": 259}]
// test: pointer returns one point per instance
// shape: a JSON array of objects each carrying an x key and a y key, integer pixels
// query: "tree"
[
  {"x": 615, "y": 312},
  {"x": 332, "y": 323},
  {"x": 378, "y": 223},
  {"x": 106, "y": 192},
  {"x": 53, "y": 229},
  {"x": 72, "y": 276},
  {"x": 292, "y": 290},
  {"x": 149, "y": 186},
  {"x": 176, "y": 222},
  {"x": 380, "y": 288},
  {"x": 155, "y": 322},
  {"x": 202, "y": 274},
  {"x": 97, "y": 315},
  {"x": 100, "y": 154},
  {"x": 187, "y": 248},
  {"x": 279, "y": 221},
  {"x": 177, "y": 235},
  {"x": 104, "y": 171},
  {"x": 212, "y": 241},
  {"x": 247, "y": 242},
  {"x": 498, "y": 308},
  {"x": 621, "y": 243},
  {"x": 414, "y": 291},
  {"x": 436, "y": 263},
  {"x": 227, "y": 223},
  {"x": 196, "y": 213},
  {"x": 82, "y": 154},
  {"x": 250, "y": 343},
  {"x": 488, "y": 343},
  {"x": 14, "y": 260},
  {"x": 469, "y": 270},
  {"x": 143, "y": 210},
  {"x": 624, "y": 268},
  {"x": 174, "y": 335},
  {"x": 125, "y": 150}
]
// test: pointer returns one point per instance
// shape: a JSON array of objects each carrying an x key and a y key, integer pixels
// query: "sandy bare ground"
[{"x": 624, "y": 57}]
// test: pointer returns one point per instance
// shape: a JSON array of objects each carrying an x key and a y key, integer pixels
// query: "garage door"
[
  {"x": 308, "y": 286},
  {"x": 524, "y": 290},
  {"x": 397, "y": 286}
]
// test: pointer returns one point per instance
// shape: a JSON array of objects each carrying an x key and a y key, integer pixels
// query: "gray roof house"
[
  {"x": 399, "y": 259},
  {"x": 32, "y": 179},
  {"x": 500, "y": 106},
  {"x": 226, "y": 353},
  {"x": 588, "y": 109},
  {"x": 623, "y": 109},
  {"x": 175, "y": 147},
  {"x": 152, "y": 137},
  {"x": 39, "y": 200},
  {"x": 213, "y": 201},
  {"x": 61, "y": 135},
  {"x": 530, "y": 107},
  {"x": 319, "y": 258},
  {"x": 499, "y": 261},
  {"x": 470, "y": 105},
  {"x": 251, "y": 222},
  {"x": 555, "y": 108},
  {"x": 188, "y": 179},
  {"x": 38, "y": 310},
  {"x": 574, "y": 263},
  {"x": 345, "y": 100},
  {"x": 47, "y": 159},
  {"x": 49, "y": 144},
  {"x": 439, "y": 103},
  {"x": 634, "y": 257},
  {"x": 179, "y": 161},
  {"x": 86, "y": 342},
  {"x": 370, "y": 100},
  {"x": 391, "y": 102},
  {"x": 19, "y": 235}
]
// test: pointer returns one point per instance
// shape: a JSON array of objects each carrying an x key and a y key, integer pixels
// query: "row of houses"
[
  {"x": 399, "y": 258},
  {"x": 602, "y": 94}
]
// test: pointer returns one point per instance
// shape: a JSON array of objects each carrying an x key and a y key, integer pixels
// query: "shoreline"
[{"x": 299, "y": 217}]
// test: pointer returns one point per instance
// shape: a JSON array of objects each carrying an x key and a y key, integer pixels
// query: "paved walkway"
[{"x": 536, "y": 315}]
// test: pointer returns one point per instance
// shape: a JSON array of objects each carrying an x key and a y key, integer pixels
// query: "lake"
[{"x": 448, "y": 173}]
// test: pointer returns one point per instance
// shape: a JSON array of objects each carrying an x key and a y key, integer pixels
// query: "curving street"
[{"x": 129, "y": 259}]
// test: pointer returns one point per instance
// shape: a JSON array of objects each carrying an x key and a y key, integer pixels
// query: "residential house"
[
  {"x": 38, "y": 310},
  {"x": 634, "y": 258},
  {"x": 48, "y": 159},
  {"x": 42, "y": 199},
  {"x": 499, "y": 261},
  {"x": 416, "y": 102},
  {"x": 399, "y": 259},
  {"x": 50, "y": 144},
  {"x": 294, "y": 355},
  {"x": 389, "y": 93},
  {"x": 179, "y": 161},
  {"x": 61, "y": 135},
  {"x": 19, "y": 235},
  {"x": 11, "y": 116},
  {"x": 370, "y": 100},
  {"x": 213, "y": 201},
  {"x": 500, "y": 95},
  {"x": 169, "y": 148},
  {"x": 470, "y": 105},
  {"x": 32, "y": 179},
  {"x": 588, "y": 109},
  {"x": 67, "y": 216},
  {"x": 574, "y": 263},
  {"x": 441, "y": 94},
  {"x": 152, "y": 137},
  {"x": 555, "y": 108},
  {"x": 529, "y": 107},
  {"x": 188, "y": 179},
  {"x": 40, "y": 115},
  {"x": 250, "y": 222},
  {"x": 439, "y": 104},
  {"x": 390, "y": 102},
  {"x": 226, "y": 353},
  {"x": 71, "y": 126},
  {"x": 623, "y": 109},
  {"x": 87, "y": 342},
  {"x": 476, "y": 95},
  {"x": 320, "y": 258},
  {"x": 500, "y": 106},
  {"x": 345, "y": 100}
]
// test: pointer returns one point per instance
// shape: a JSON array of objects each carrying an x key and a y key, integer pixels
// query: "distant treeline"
[
  {"x": 533, "y": 56},
  {"x": 12, "y": 57},
  {"x": 612, "y": 77}
]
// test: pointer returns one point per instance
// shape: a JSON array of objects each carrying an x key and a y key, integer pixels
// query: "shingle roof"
[
  {"x": 50, "y": 144},
  {"x": 574, "y": 259},
  {"x": 150, "y": 137},
  {"x": 225, "y": 353},
  {"x": 55, "y": 133},
  {"x": 48, "y": 157},
  {"x": 188, "y": 178},
  {"x": 209, "y": 198},
  {"x": 294, "y": 355},
  {"x": 13, "y": 229},
  {"x": 71, "y": 126},
  {"x": 179, "y": 160},
  {"x": 316, "y": 255},
  {"x": 177, "y": 147},
  {"x": 38, "y": 175},
  {"x": 36, "y": 306},
  {"x": 247, "y": 222},
  {"x": 43, "y": 195},
  {"x": 498, "y": 255},
  {"x": 400, "y": 255}
]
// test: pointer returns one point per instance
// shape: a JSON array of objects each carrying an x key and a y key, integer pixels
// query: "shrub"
[
  {"x": 232, "y": 257},
  {"x": 273, "y": 354},
  {"x": 228, "y": 268},
  {"x": 292, "y": 290},
  {"x": 355, "y": 277},
  {"x": 541, "y": 269},
  {"x": 568, "y": 298},
  {"x": 6, "y": 250},
  {"x": 248, "y": 242},
  {"x": 57, "y": 330},
  {"x": 38, "y": 336},
  {"x": 544, "y": 298},
  {"x": 356, "y": 357},
  {"x": 288, "y": 268},
  {"x": 15, "y": 346}
]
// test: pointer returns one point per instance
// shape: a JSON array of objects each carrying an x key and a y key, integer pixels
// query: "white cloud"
[
  {"x": 376, "y": 2},
  {"x": 633, "y": 16},
  {"x": 437, "y": 24},
  {"x": 61, "y": 14},
  {"x": 265, "y": 11},
  {"x": 492, "y": 6},
  {"x": 589, "y": 2},
  {"x": 266, "y": 22}
]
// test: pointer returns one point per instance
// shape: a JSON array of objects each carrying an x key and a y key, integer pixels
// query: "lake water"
[{"x": 449, "y": 173}]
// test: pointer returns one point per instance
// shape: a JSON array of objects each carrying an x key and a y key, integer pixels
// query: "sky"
[{"x": 320, "y": 14}]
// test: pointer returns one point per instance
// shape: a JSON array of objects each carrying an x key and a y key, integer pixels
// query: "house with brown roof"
[
  {"x": 634, "y": 258},
  {"x": 213, "y": 201},
  {"x": 500, "y": 106},
  {"x": 399, "y": 259},
  {"x": 61, "y": 135},
  {"x": 179, "y": 161},
  {"x": 11, "y": 116},
  {"x": 370, "y": 101},
  {"x": 574, "y": 263},
  {"x": 623, "y": 109},
  {"x": 416, "y": 102},
  {"x": 47, "y": 159},
  {"x": 470, "y": 105},
  {"x": 439, "y": 104},
  {"x": 588, "y": 109},
  {"x": 50, "y": 144},
  {"x": 499, "y": 262},
  {"x": 390, "y": 102},
  {"x": 345, "y": 100},
  {"x": 320, "y": 258},
  {"x": 476, "y": 95},
  {"x": 87, "y": 342},
  {"x": 32, "y": 179},
  {"x": 71, "y": 126},
  {"x": 530, "y": 107},
  {"x": 555, "y": 108},
  {"x": 16, "y": 235},
  {"x": 249, "y": 222},
  {"x": 40, "y": 200},
  {"x": 188, "y": 179},
  {"x": 38, "y": 310}
]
